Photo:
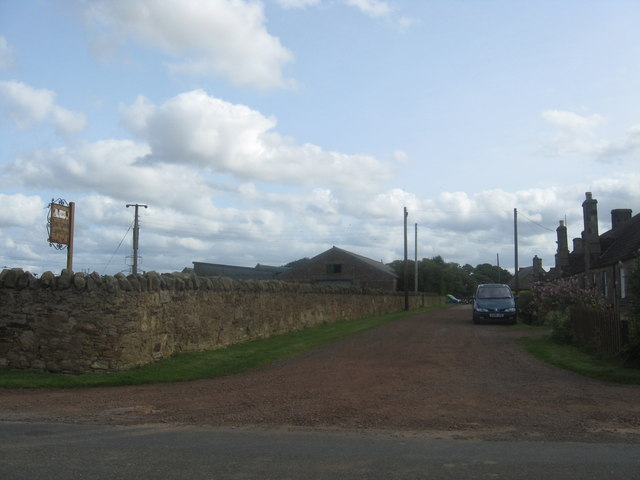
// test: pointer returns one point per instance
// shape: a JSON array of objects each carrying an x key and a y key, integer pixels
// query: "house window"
[
  {"x": 334, "y": 268},
  {"x": 605, "y": 285},
  {"x": 623, "y": 283}
]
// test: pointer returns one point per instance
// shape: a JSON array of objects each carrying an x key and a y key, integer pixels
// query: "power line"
[
  {"x": 536, "y": 223},
  {"x": 117, "y": 248}
]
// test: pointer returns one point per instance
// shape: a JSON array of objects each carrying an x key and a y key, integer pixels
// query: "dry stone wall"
[{"x": 76, "y": 322}]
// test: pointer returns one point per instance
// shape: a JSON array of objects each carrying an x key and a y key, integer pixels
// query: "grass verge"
[
  {"x": 207, "y": 364},
  {"x": 576, "y": 360}
]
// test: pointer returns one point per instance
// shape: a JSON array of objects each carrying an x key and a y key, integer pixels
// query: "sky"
[{"x": 265, "y": 131}]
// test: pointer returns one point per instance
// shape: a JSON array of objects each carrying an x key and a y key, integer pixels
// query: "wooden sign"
[{"x": 60, "y": 224}]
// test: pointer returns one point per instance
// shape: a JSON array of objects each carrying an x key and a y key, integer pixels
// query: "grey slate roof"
[
  {"x": 373, "y": 263},
  {"x": 621, "y": 243},
  {"x": 618, "y": 244},
  {"x": 259, "y": 272}
]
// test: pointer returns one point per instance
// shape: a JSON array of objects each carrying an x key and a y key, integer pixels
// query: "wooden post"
[
  {"x": 415, "y": 286},
  {"x": 406, "y": 264},
  {"x": 72, "y": 209},
  {"x": 515, "y": 243}
]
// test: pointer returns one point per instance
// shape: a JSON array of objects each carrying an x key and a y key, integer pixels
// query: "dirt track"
[{"x": 433, "y": 373}]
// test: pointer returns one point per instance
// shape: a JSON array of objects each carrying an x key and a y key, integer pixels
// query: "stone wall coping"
[{"x": 19, "y": 279}]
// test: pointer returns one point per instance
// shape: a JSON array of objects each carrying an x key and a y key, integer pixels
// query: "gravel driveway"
[{"x": 433, "y": 373}]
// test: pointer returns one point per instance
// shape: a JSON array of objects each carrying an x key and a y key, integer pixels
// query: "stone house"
[
  {"x": 601, "y": 260},
  {"x": 340, "y": 267},
  {"x": 529, "y": 275}
]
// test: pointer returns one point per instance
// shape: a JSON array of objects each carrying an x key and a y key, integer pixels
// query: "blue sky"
[{"x": 266, "y": 131}]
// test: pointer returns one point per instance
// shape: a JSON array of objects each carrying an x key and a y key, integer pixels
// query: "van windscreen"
[{"x": 494, "y": 292}]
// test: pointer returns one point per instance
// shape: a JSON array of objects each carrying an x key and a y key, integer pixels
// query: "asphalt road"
[{"x": 56, "y": 451}]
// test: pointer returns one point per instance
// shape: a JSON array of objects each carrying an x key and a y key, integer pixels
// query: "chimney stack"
[
  {"x": 590, "y": 236},
  {"x": 577, "y": 245},
  {"x": 537, "y": 264},
  {"x": 562, "y": 252},
  {"x": 619, "y": 216}
]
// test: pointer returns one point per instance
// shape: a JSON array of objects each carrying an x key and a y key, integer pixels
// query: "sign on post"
[
  {"x": 60, "y": 220},
  {"x": 60, "y": 226}
]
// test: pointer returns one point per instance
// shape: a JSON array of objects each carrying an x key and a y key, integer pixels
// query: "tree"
[
  {"x": 435, "y": 275},
  {"x": 492, "y": 274}
]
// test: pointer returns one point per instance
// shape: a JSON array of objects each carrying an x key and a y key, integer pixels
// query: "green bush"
[
  {"x": 527, "y": 309},
  {"x": 631, "y": 354},
  {"x": 559, "y": 321},
  {"x": 553, "y": 301}
]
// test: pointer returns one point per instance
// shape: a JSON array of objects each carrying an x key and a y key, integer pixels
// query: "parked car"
[{"x": 494, "y": 302}]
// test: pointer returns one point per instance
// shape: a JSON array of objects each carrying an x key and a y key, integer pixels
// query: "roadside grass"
[
  {"x": 207, "y": 364},
  {"x": 520, "y": 325},
  {"x": 576, "y": 360}
]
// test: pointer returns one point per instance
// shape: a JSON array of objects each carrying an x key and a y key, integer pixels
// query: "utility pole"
[
  {"x": 406, "y": 264},
  {"x": 416, "y": 263},
  {"x": 515, "y": 243},
  {"x": 136, "y": 227},
  {"x": 498, "y": 260}
]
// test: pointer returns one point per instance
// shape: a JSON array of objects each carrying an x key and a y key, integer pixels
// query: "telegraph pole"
[
  {"x": 136, "y": 227},
  {"x": 515, "y": 243},
  {"x": 406, "y": 264},
  {"x": 416, "y": 263}
]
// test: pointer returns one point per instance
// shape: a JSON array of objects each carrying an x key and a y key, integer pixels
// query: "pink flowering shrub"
[
  {"x": 552, "y": 301},
  {"x": 565, "y": 293}
]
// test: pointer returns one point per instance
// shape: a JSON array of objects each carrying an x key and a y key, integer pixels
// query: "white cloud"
[
  {"x": 66, "y": 122},
  {"x": 6, "y": 55},
  {"x": 628, "y": 145},
  {"x": 281, "y": 226},
  {"x": 576, "y": 133},
  {"x": 401, "y": 157},
  {"x": 373, "y": 8},
  {"x": 210, "y": 37},
  {"x": 621, "y": 190},
  {"x": 297, "y": 3},
  {"x": 27, "y": 107},
  {"x": 573, "y": 121},
  {"x": 473, "y": 228},
  {"x": 577, "y": 136},
  {"x": 20, "y": 210},
  {"x": 197, "y": 129},
  {"x": 378, "y": 9},
  {"x": 110, "y": 168}
]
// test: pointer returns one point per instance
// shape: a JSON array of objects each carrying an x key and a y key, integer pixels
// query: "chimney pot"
[{"x": 577, "y": 245}]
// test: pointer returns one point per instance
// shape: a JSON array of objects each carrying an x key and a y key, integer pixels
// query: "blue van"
[{"x": 494, "y": 302}]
